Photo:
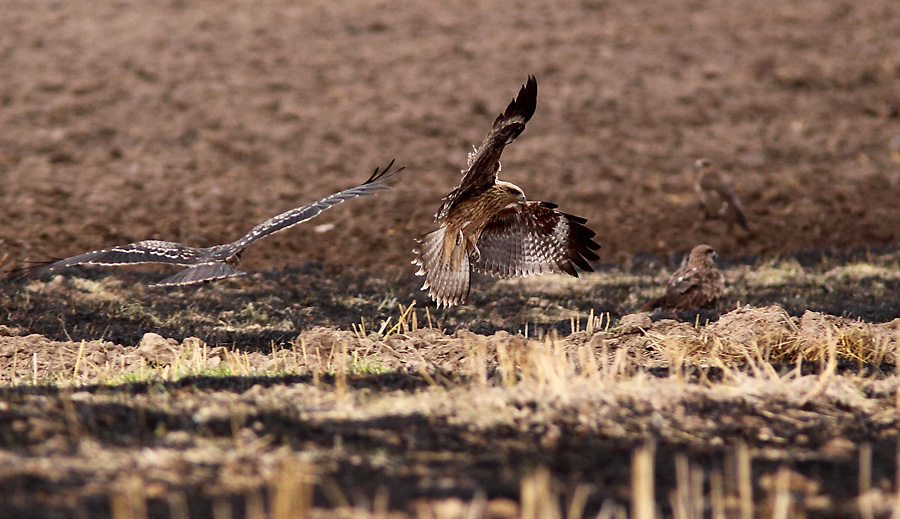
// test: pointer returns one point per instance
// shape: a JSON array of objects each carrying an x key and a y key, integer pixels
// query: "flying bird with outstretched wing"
[
  {"x": 486, "y": 225},
  {"x": 716, "y": 197},
  {"x": 209, "y": 263},
  {"x": 698, "y": 284}
]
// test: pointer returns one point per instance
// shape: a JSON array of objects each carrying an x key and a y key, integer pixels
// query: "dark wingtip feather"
[
  {"x": 591, "y": 255},
  {"x": 584, "y": 234},
  {"x": 586, "y": 250},
  {"x": 525, "y": 103},
  {"x": 582, "y": 243},
  {"x": 383, "y": 174},
  {"x": 31, "y": 269},
  {"x": 581, "y": 254},
  {"x": 576, "y": 219},
  {"x": 566, "y": 266}
]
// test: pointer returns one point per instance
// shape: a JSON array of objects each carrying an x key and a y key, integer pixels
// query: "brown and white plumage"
[
  {"x": 716, "y": 197},
  {"x": 698, "y": 284},
  {"x": 487, "y": 225},
  {"x": 209, "y": 263}
]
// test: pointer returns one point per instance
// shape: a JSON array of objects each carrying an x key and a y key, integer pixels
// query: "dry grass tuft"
[{"x": 593, "y": 383}]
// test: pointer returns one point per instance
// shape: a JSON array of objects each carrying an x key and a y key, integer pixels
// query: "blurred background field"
[{"x": 193, "y": 121}]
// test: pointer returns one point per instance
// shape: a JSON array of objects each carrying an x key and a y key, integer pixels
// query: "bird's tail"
[
  {"x": 446, "y": 279},
  {"x": 652, "y": 304},
  {"x": 211, "y": 271}
]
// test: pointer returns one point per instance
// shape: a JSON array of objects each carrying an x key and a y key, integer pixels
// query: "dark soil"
[
  {"x": 430, "y": 456},
  {"x": 414, "y": 456},
  {"x": 313, "y": 295}
]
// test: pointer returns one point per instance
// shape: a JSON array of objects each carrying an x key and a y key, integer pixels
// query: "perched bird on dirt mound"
[
  {"x": 699, "y": 284},
  {"x": 210, "y": 263},
  {"x": 488, "y": 226},
  {"x": 716, "y": 197}
]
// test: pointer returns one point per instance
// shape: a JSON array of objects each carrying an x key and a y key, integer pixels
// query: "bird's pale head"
[
  {"x": 512, "y": 189},
  {"x": 702, "y": 255},
  {"x": 702, "y": 164}
]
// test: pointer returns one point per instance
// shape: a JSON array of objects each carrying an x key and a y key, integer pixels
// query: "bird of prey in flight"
[
  {"x": 699, "y": 284},
  {"x": 486, "y": 225},
  {"x": 716, "y": 197},
  {"x": 209, "y": 263}
]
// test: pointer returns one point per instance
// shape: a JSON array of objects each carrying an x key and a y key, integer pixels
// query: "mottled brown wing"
[
  {"x": 534, "y": 238},
  {"x": 202, "y": 266},
  {"x": 147, "y": 251},
  {"x": 205, "y": 272},
  {"x": 485, "y": 161},
  {"x": 694, "y": 288},
  {"x": 683, "y": 280}
]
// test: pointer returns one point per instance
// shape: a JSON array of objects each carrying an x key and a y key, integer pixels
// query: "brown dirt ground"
[
  {"x": 244, "y": 387},
  {"x": 359, "y": 417},
  {"x": 192, "y": 121}
]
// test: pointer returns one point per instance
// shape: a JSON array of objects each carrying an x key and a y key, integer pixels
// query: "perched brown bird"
[
  {"x": 208, "y": 263},
  {"x": 699, "y": 284},
  {"x": 487, "y": 225},
  {"x": 716, "y": 197}
]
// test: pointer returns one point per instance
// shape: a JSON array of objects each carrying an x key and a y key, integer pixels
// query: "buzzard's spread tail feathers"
[{"x": 446, "y": 279}]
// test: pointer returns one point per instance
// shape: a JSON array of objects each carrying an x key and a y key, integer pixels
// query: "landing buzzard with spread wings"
[
  {"x": 209, "y": 263},
  {"x": 699, "y": 284},
  {"x": 486, "y": 225}
]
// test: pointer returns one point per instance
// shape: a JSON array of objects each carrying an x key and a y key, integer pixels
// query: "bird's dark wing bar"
[
  {"x": 148, "y": 251},
  {"x": 533, "y": 239},
  {"x": 287, "y": 219},
  {"x": 211, "y": 271},
  {"x": 484, "y": 163}
]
